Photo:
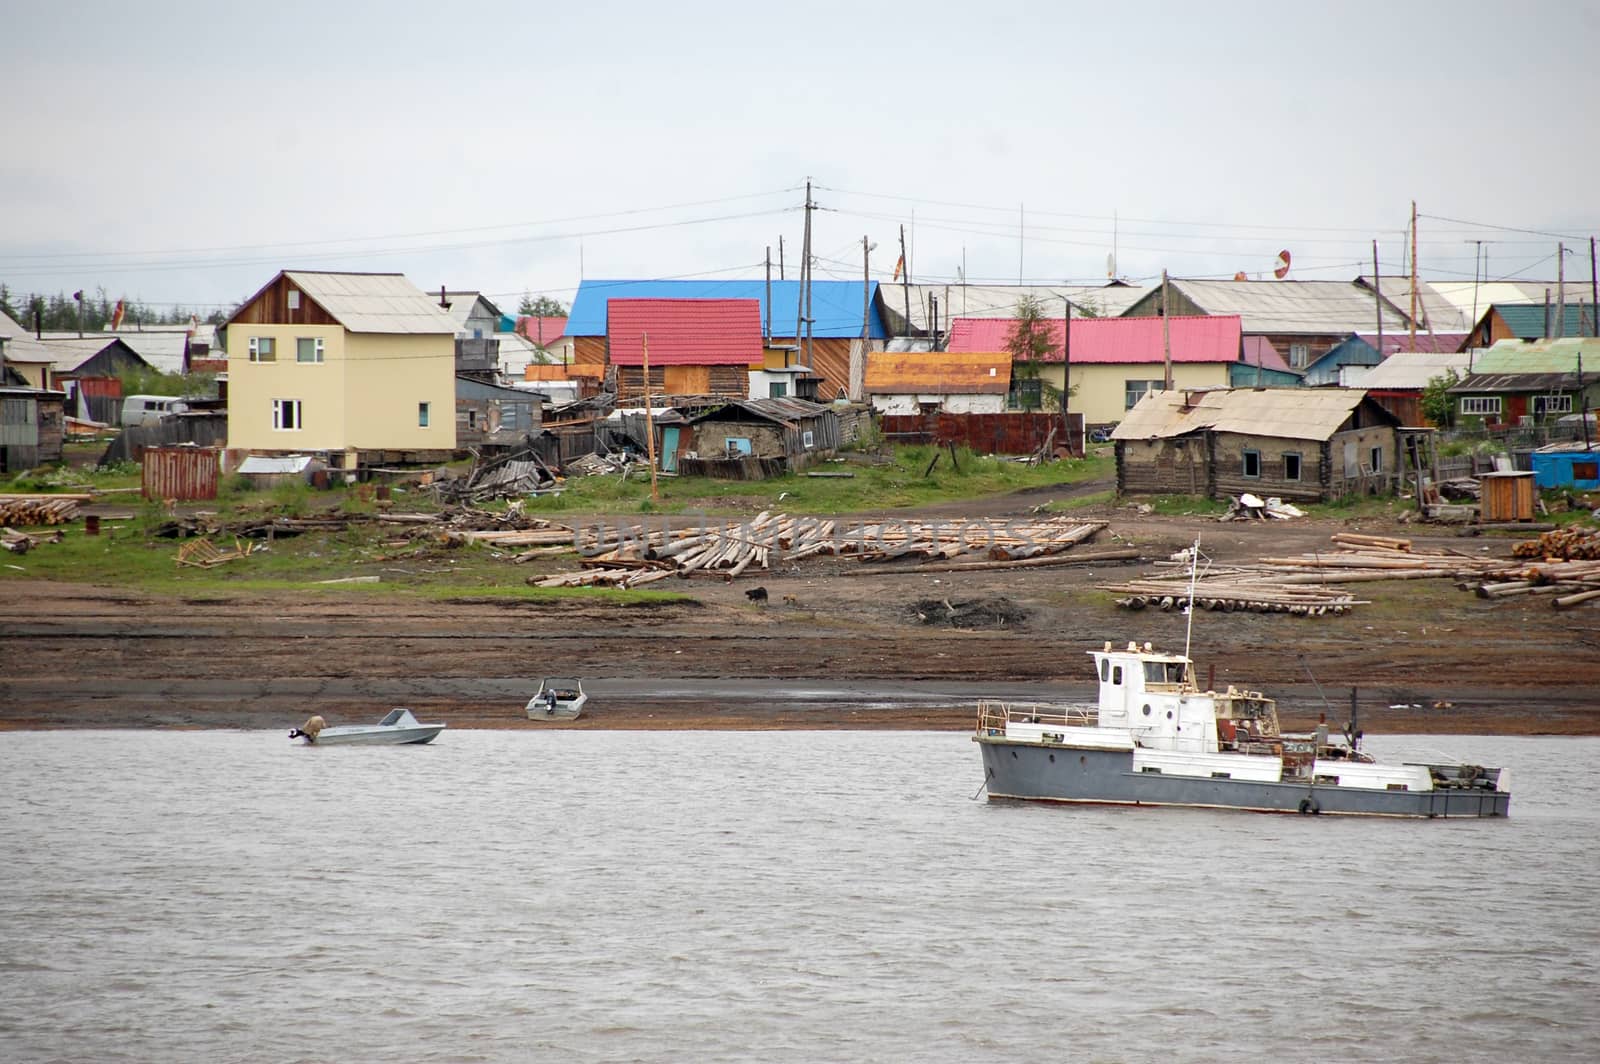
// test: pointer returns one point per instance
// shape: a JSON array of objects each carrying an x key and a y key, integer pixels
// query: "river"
[{"x": 763, "y": 896}]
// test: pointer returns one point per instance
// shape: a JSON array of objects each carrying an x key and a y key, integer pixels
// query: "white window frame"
[
  {"x": 317, "y": 351},
  {"x": 1299, "y": 356},
  {"x": 263, "y": 349},
  {"x": 1480, "y": 406},
  {"x": 1375, "y": 459},
  {"x": 1551, "y": 404},
  {"x": 808, "y": 439},
  {"x": 1135, "y": 390},
  {"x": 424, "y": 415},
  {"x": 296, "y": 419}
]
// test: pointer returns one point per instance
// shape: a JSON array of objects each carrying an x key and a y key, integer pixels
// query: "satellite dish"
[
  {"x": 1240, "y": 276},
  {"x": 1280, "y": 269}
]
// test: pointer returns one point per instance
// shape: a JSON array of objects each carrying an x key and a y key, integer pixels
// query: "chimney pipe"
[{"x": 443, "y": 302}]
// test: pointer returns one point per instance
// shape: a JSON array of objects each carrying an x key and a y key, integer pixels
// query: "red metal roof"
[
  {"x": 541, "y": 330},
  {"x": 685, "y": 332},
  {"x": 1200, "y": 338}
]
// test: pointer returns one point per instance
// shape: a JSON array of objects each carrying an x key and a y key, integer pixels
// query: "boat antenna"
[
  {"x": 1194, "y": 573},
  {"x": 1307, "y": 666}
]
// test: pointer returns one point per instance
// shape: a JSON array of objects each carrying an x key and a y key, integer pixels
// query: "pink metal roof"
[
  {"x": 1431, "y": 343},
  {"x": 1201, "y": 338},
  {"x": 541, "y": 330},
  {"x": 685, "y": 332},
  {"x": 1258, "y": 351}
]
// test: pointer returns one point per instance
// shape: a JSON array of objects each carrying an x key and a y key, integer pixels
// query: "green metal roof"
[
  {"x": 1540, "y": 356},
  {"x": 1526, "y": 320}
]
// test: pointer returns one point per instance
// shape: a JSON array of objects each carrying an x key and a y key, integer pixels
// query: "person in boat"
[
  {"x": 550, "y": 702},
  {"x": 310, "y": 729}
]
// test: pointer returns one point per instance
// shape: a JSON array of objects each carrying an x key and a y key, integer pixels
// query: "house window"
[
  {"x": 1375, "y": 459},
  {"x": 472, "y": 419},
  {"x": 1586, "y": 470},
  {"x": 808, "y": 439},
  {"x": 1291, "y": 465},
  {"x": 1299, "y": 355},
  {"x": 294, "y": 299},
  {"x": 1481, "y": 405},
  {"x": 1026, "y": 394},
  {"x": 1552, "y": 404},
  {"x": 1252, "y": 464},
  {"x": 1133, "y": 391},
  {"x": 422, "y": 414},
  {"x": 737, "y": 445},
  {"x": 262, "y": 350},
  {"x": 286, "y": 415},
  {"x": 777, "y": 389},
  {"x": 308, "y": 349}
]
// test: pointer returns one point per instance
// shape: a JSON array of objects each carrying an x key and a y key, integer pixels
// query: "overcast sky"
[{"x": 184, "y": 152}]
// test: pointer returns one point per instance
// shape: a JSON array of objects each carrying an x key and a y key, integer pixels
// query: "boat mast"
[{"x": 1194, "y": 572}]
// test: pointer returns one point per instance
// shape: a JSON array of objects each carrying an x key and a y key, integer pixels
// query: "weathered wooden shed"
[
  {"x": 32, "y": 428},
  {"x": 756, "y": 438},
  {"x": 488, "y": 415},
  {"x": 1302, "y": 444}
]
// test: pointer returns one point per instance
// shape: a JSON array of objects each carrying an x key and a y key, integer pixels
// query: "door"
[{"x": 669, "y": 449}]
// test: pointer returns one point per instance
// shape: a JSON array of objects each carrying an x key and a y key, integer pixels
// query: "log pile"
[
  {"x": 1567, "y": 544},
  {"x": 22, "y": 542},
  {"x": 630, "y": 557},
  {"x": 39, "y": 509}
]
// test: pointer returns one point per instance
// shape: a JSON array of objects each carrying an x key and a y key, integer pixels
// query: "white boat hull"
[{"x": 376, "y": 735}]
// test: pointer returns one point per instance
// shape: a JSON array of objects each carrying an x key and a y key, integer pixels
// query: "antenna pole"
[
  {"x": 1022, "y": 232},
  {"x": 1377, "y": 296},
  {"x": 767, "y": 323},
  {"x": 1066, "y": 372},
  {"x": 1194, "y": 574},
  {"x": 1594, "y": 289},
  {"x": 905, "y": 278},
  {"x": 1166, "y": 336},
  {"x": 1561, "y": 290},
  {"x": 649, "y": 416},
  {"x": 780, "y": 257},
  {"x": 1413, "y": 275}
]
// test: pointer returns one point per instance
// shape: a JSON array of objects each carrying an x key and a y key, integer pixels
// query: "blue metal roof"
[{"x": 835, "y": 305}]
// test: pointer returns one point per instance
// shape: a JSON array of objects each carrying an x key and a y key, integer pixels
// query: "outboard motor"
[{"x": 309, "y": 730}]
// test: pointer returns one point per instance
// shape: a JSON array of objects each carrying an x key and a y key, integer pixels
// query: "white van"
[{"x": 150, "y": 409}]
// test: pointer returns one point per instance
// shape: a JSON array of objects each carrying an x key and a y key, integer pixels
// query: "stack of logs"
[
  {"x": 1565, "y": 563},
  {"x": 638, "y": 557},
  {"x": 1300, "y": 585},
  {"x": 39, "y": 509}
]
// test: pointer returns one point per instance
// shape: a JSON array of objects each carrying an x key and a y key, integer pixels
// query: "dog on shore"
[
  {"x": 757, "y": 594},
  {"x": 790, "y": 600}
]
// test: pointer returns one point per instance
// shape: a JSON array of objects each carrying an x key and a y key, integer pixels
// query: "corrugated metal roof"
[
  {"x": 1288, "y": 413},
  {"x": 938, "y": 373},
  {"x": 1412, "y": 370},
  {"x": 1473, "y": 298},
  {"x": 835, "y": 305},
  {"x": 374, "y": 302},
  {"x": 1309, "y": 307},
  {"x": 462, "y": 304},
  {"x": 10, "y": 329},
  {"x": 264, "y": 464},
  {"x": 69, "y": 352},
  {"x": 1114, "y": 340},
  {"x": 685, "y": 332},
  {"x": 1539, "y": 356},
  {"x": 541, "y": 330},
  {"x": 1433, "y": 310},
  {"x": 1396, "y": 343},
  {"x": 1258, "y": 351},
  {"x": 1527, "y": 321},
  {"x": 1000, "y": 301},
  {"x": 787, "y": 410}
]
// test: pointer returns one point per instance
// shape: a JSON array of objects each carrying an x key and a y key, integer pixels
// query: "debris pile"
[
  {"x": 39, "y": 509},
  {"x": 204, "y": 554},
  {"x": 22, "y": 542},
  {"x": 1248, "y": 507},
  {"x": 510, "y": 476},
  {"x": 995, "y": 612}
]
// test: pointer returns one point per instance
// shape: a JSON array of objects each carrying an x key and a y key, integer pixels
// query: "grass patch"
[
  {"x": 904, "y": 482},
  {"x": 1081, "y": 502},
  {"x": 1183, "y": 505}
]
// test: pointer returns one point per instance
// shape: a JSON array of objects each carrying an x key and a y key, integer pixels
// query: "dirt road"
[{"x": 849, "y": 650}]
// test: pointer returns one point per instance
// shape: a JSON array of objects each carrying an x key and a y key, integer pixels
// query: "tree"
[
  {"x": 8, "y": 308},
  {"x": 1029, "y": 341},
  {"x": 543, "y": 307},
  {"x": 1437, "y": 405}
]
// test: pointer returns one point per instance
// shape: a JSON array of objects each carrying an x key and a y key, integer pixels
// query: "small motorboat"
[
  {"x": 396, "y": 728},
  {"x": 558, "y": 698}
]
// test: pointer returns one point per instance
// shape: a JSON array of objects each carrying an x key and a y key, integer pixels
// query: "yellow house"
[{"x": 360, "y": 366}]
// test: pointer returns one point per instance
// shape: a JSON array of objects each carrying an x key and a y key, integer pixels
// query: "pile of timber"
[
  {"x": 39, "y": 509},
  {"x": 1567, "y": 544},
  {"x": 1300, "y": 585},
  {"x": 22, "y": 542},
  {"x": 633, "y": 556}
]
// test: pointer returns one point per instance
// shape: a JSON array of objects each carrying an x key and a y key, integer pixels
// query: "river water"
[{"x": 763, "y": 896}]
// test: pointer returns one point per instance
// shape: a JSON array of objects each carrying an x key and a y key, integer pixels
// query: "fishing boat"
[
  {"x": 558, "y": 698},
  {"x": 1154, "y": 738},
  {"x": 398, "y": 727}
]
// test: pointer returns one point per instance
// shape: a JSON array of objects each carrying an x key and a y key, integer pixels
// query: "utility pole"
[
  {"x": 1413, "y": 275},
  {"x": 780, "y": 257},
  {"x": 1477, "y": 251},
  {"x": 800, "y": 293},
  {"x": 1377, "y": 299},
  {"x": 1022, "y": 232},
  {"x": 767, "y": 322},
  {"x": 1561, "y": 290},
  {"x": 1594, "y": 289},
  {"x": 806, "y": 271},
  {"x": 1166, "y": 337},
  {"x": 905, "y": 278},
  {"x": 649, "y": 416},
  {"x": 858, "y": 358},
  {"x": 1066, "y": 372}
]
